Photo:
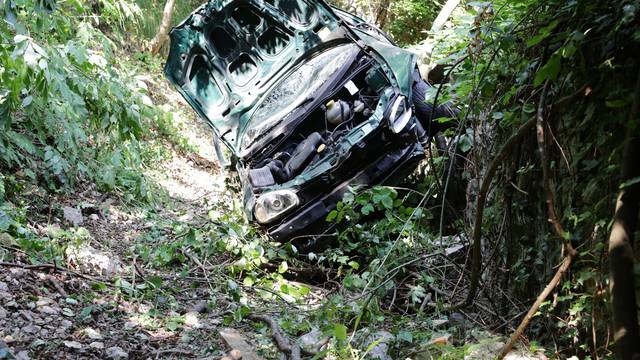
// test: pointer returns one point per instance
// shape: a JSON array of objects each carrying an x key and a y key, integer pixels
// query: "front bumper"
[{"x": 307, "y": 224}]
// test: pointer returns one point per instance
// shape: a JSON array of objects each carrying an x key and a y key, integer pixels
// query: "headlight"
[
  {"x": 400, "y": 115},
  {"x": 273, "y": 205}
]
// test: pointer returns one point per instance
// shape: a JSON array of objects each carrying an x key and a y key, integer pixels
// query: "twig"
[
  {"x": 284, "y": 344},
  {"x": 570, "y": 252}
]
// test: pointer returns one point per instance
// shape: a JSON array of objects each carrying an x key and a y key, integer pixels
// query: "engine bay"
[{"x": 351, "y": 101}]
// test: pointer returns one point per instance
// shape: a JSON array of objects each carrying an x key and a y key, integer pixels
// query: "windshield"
[{"x": 295, "y": 89}]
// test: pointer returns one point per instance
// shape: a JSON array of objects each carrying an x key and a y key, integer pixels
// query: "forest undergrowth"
[{"x": 120, "y": 236}]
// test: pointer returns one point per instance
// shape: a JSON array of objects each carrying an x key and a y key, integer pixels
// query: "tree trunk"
[
  {"x": 163, "y": 30},
  {"x": 621, "y": 259},
  {"x": 382, "y": 13},
  {"x": 444, "y": 14}
]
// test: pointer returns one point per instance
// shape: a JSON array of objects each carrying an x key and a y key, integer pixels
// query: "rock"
[
  {"x": 94, "y": 217},
  {"x": 27, "y": 315},
  {"x": 48, "y": 310},
  {"x": 42, "y": 301},
  {"x": 72, "y": 345},
  {"x": 4, "y": 286},
  {"x": 65, "y": 324},
  {"x": 97, "y": 345},
  {"x": 7, "y": 240},
  {"x": 72, "y": 215},
  {"x": 16, "y": 273},
  {"x": 235, "y": 354},
  {"x": 439, "y": 322},
  {"x": 3, "y": 313},
  {"x": 379, "y": 351},
  {"x": 237, "y": 341},
  {"x": 191, "y": 319},
  {"x": 37, "y": 343},
  {"x": 67, "y": 312},
  {"x": 311, "y": 340},
  {"x": 71, "y": 301},
  {"x": 31, "y": 329},
  {"x": 23, "y": 355},
  {"x": 486, "y": 349},
  {"x": 93, "y": 261},
  {"x": 116, "y": 352},
  {"x": 92, "y": 334}
]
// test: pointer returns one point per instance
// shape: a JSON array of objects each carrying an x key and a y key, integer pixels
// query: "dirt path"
[{"x": 124, "y": 293}]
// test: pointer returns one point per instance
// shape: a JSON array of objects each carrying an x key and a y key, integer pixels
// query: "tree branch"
[{"x": 570, "y": 252}]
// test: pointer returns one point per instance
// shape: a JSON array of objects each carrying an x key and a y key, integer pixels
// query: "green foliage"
[
  {"x": 411, "y": 19},
  {"x": 68, "y": 113}
]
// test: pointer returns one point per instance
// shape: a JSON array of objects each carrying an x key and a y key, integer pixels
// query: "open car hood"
[{"x": 228, "y": 54}]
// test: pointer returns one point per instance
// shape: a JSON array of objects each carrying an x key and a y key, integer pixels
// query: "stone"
[
  {"x": 439, "y": 322},
  {"x": 93, "y": 261},
  {"x": 23, "y": 355},
  {"x": 3, "y": 313},
  {"x": 72, "y": 345},
  {"x": 65, "y": 324},
  {"x": 191, "y": 319},
  {"x": 71, "y": 301},
  {"x": 235, "y": 354},
  {"x": 92, "y": 334},
  {"x": 7, "y": 240},
  {"x": 44, "y": 301},
  {"x": 311, "y": 340},
  {"x": 237, "y": 341},
  {"x": 116, "y": 352},
  {"x": 31, "y": 329},
  {"x": 72, "y": 215},
  {"x": 48, "y": 310},
  {"x": 486, "y": 349},
  {"x": 4, "y": 286},
  {"x": 97, "y": 345},
  {"x": 94, "y": 217},
  {"x": 380, "y": 350}
]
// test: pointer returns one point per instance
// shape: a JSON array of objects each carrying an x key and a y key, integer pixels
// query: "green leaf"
[
  {"x": 630, "y": 182},
  {"x": 283, "y": 267},
  {"x": 542, "y": 34},
  {"x": 340, "y": 332},
  {"x": 548, "y": 71},
  {"x": 22, "y": 142},
  {"x": 405, "y": 336},
  {"x": 616, "y": 103}
]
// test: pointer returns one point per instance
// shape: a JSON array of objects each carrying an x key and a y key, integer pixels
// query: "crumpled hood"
[{"x": 228, "y": 54}]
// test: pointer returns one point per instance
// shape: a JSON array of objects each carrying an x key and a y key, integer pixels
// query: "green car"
[{"x": 311, "y": 101}]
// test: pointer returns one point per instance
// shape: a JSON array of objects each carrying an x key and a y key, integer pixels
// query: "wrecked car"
[{"x": 309, "y": 100}]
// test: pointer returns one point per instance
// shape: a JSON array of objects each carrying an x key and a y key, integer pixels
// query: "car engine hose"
[{"x": 303, "y": 154}]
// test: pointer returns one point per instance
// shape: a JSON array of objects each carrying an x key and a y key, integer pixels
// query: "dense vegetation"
[{"x": 524, "y": 180}]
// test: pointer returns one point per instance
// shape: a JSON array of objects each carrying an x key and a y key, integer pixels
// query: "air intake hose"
[{"x": 303, "y": 154}]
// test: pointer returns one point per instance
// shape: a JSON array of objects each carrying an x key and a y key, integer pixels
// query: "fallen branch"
[
  {"x": 49, "y": 267},
  {"x": 570, "y": 252},
  {"x": 284, "y": 344}
]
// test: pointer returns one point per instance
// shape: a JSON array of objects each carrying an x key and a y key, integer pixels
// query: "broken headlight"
[
  {"x": 272, "y": 205},
  {"x": 400, "y": 115}
]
